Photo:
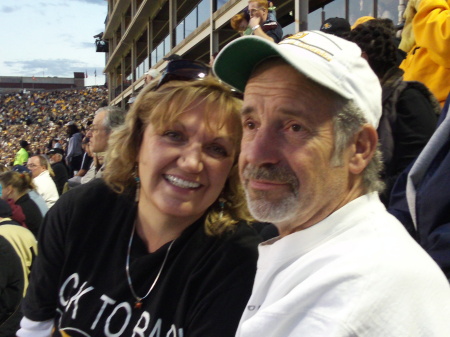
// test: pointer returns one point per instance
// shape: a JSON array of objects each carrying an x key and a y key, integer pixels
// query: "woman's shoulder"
[
  {"x": 241, "y": 241},
  {"x": 90, "y": 208},
  {"x": 23, "y": 199},
  {"x": 94, "y": 194}
]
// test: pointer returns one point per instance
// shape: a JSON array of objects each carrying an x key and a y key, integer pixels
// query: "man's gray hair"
[
  {"x": 347, "y": 121},
  {"x": 114, "y": 117}
]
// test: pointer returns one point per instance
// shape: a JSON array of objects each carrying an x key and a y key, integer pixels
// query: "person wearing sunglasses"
[{"x": 161, "y": 245}]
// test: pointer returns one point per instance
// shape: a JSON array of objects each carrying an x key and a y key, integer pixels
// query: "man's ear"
[{"x": 364, "y": 147}]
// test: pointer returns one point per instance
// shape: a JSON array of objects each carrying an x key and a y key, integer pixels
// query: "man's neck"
[
  {"x": 310, "y": 220},
  {"x": 41, "y": 173}
]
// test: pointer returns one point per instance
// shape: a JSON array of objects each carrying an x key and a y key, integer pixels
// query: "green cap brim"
[{"x": 235, "y": 63}]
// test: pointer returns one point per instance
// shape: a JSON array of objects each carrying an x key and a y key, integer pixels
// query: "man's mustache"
[{"x": 275, "y": 173}]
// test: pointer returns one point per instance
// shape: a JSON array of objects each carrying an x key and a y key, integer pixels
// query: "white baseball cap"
[
  {"x": 153, "y": 73},
  {"x": 326, "y": 59}
]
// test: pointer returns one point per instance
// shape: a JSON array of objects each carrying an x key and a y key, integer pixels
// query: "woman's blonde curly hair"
[{"x": 161, "y": 108}]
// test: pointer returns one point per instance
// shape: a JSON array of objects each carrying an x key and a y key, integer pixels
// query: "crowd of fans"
[{"x": 40, "y": 117}]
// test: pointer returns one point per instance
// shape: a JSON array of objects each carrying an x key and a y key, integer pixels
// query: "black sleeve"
[
  {"x": 219, "y": 311},
  {"x": 33, "y": 216},
  {"x": 41, "y": 299}
]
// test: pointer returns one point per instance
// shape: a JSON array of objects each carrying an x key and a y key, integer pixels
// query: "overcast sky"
[{"x": 51, "y": 38}]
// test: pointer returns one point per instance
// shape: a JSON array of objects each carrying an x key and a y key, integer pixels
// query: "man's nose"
[{"x": 261, "y": 148}]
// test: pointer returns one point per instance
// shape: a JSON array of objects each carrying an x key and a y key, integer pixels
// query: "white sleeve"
[{"x": 29, "y": 328}]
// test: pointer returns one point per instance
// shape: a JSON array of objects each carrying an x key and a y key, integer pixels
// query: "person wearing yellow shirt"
[
  {"x": 426, "y": 39},
  {"x": 22, "y": 155}
]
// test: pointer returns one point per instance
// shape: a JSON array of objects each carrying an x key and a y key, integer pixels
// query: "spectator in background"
[
  {"x": 2, "y": 169},
  {"x": 52, "y": 108},
  {"x": 18, "y": 248},
  {"x": 37, "y": 198},
  {"x": 45, "y": 186},
  {"x": 130, "y": 101},
  {"x": 86, "y": 164},
  {"x": 105, "y": 120},
  {"x": 54, "y": 144},
  {"x": 74, "y": 151},
  {"x": 409, "y": 109},
  {"x": 6, "y": 214},
  {"x": 336, "y": 26},
  {"x": 388, "y": 24},
  {"x": 11, "y": 288},
  {"x": 426, "y": 40},
  {"x": 150, "y": 75},
  {"x": 87, "y": 157},
  {"x": 421, "y": 196},
  {"x": 60, "y": 170},
  {"x": 22, "y": 154},
  {"x": 16, "y": 187},
  {"x": 342, "y": 265},
  {"x": 260, "y": 24},
  {"x": 239, "y": 23},
  {"x": 361, "y": 20}
]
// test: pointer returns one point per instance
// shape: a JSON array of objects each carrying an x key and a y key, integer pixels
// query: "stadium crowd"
[{"x": 40, "y": 117}]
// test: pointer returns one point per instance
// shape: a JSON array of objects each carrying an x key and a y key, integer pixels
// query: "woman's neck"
[
  {"x": 16, "y": 196},
  {"x": 158, "y": 229}
]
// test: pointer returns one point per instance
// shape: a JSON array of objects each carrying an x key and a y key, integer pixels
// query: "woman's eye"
[
  {"x": 173, "y": 135},
  {"x": 218, "y": 150}
]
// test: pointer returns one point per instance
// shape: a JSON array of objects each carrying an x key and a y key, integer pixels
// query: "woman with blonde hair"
[
  {"x": 16, "y": 186},
  {"x": 160, "y": 245}
]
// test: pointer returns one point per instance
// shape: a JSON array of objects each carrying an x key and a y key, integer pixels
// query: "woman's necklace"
[{"x": 138, "y": 303}]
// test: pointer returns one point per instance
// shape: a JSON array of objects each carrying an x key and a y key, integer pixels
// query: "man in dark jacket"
[{"x": 421, "y": 199}]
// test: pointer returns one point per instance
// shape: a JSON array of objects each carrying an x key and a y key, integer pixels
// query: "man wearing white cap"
[
  {"x": 342, "y": 265},
  {"x": 150, "y": 75}
]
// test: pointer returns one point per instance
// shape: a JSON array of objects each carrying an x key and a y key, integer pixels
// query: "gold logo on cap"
[{"x": 296, "y": 40}]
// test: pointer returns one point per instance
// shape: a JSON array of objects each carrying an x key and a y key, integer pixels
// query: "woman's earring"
[
  {"x": 138, "y": 183},
  {"x": 222, "y": 202}
]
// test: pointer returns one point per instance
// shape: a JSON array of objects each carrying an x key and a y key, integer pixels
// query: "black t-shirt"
[
  {"x": 33, "y": 215},
  {"x": 61, "y": 176},
  {"x": 86, "y": 163},
  {"x": 79, "y": 275}
]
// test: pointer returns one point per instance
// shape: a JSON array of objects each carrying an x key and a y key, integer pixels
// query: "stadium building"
[
  {"x": 34, "y": 83},
  {"x": 140, "y": 33}
]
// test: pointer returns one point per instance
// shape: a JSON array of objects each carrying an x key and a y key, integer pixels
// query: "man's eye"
[
  {"x": 296, "y": 127},
  {"x": 249, "y": 125}
]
